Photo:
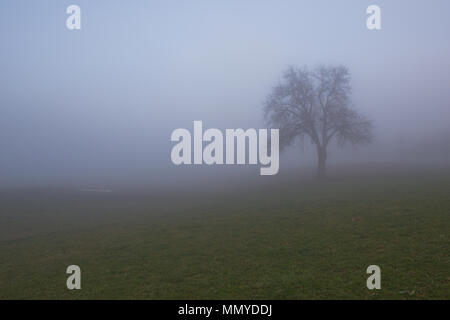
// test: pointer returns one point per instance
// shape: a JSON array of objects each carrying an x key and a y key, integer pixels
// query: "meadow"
[{"x": 287, "y": 237}]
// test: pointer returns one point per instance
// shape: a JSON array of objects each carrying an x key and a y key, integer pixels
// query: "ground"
[{"x": 287, "y": 238}]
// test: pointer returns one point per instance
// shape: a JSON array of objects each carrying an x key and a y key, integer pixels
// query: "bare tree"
[{"x": 316, "y": 105}]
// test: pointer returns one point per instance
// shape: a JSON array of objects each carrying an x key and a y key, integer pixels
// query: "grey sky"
[{"x": 103, "y": 101}]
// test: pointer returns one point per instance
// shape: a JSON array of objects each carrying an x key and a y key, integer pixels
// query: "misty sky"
[{"x": 103, "y": 100}]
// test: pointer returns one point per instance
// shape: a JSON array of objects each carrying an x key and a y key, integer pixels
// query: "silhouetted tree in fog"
[{"x": 316, "y": 105}]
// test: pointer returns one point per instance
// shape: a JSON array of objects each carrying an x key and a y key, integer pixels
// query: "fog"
[{"x": 98, "y": 105}]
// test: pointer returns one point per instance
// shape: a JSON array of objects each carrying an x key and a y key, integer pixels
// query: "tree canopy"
[{"x": 315, "y": 104}]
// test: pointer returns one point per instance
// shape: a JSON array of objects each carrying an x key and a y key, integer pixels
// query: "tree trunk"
[{"x": 321, "y": 161}]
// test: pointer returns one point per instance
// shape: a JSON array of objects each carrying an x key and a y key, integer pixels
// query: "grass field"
[{"x": 289, "y": 238}]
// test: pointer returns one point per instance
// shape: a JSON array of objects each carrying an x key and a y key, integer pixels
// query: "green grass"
[{"x": 288, "y": 239}]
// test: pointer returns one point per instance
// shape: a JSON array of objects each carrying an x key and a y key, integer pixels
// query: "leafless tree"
[{"x": 315, "y": 104}]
